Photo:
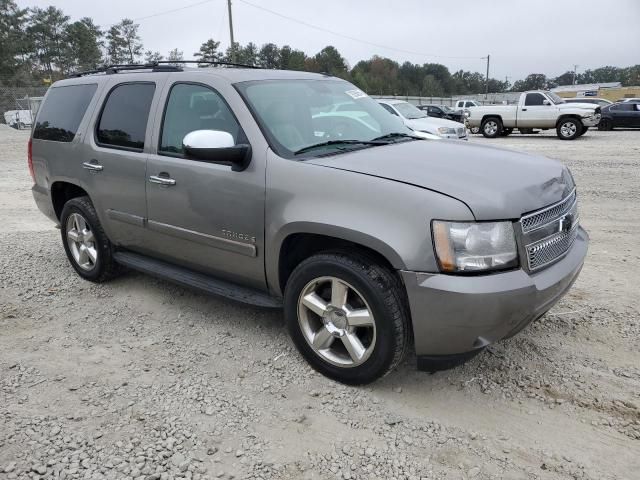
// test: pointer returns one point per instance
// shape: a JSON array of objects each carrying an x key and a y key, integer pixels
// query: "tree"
[
  {"x": 83, "y": 42},
  {"x": 291, "y": 59},
  {"x": 247, "y": 55},
  {"x": 175, "y": 56},
  {"x": 47, "y": 35},
  {"x": 269, "y": 56},
  {"x": 123, "y": 42},
  {"x": 151, "y": 57},
  {"x": 330, "y": 61},
  {"x": 209, "y": 52},
  {"x": 565, "y": 79},
  {"x": 432, "y": 87},
  {"x": 534, "y": 81},
  {"x": 13, "y": 40}
]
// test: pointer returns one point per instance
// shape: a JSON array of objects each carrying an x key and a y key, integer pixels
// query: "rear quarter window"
[{"x": 61, "y": 113}]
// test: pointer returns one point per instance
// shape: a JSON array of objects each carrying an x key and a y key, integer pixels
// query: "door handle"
[
  {"x": 524, "y": 109},
  {"x": 92, "y": 166},
  {"x": 162, "y": 180}
]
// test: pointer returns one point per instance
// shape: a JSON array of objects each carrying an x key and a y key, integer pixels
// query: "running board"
[{"x": 198, "y": 281}]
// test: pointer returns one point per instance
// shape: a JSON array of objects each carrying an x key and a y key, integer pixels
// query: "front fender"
[{"x": 387, "y": 216}]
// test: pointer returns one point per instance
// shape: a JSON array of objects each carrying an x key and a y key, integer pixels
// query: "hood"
[
  {"x": 494, "y": 183},
  {"x": 581, "y": 106},
  {"x": 431, "y": 124}
]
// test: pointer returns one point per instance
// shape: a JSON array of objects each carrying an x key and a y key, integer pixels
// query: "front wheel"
[
  {"x": 347, "y": 316},
  {"x": 584, "y": 130},
  {"x": 491, "y": 127},
  {"x": 87, "y": 247},
  {"x": 605, "y": 124},
  {"x": 475, "y": 130},
  {"x": 569, "y": 128}
]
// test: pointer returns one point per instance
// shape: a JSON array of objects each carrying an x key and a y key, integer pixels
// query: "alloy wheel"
[
  {"x": 336, "y": 322},
  {"x": 568, "y": 129},
  {"x": 81, "y": 242},
  {"x": 491, "y": 127}
]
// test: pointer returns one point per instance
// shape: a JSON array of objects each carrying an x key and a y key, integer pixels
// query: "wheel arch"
[
  {"x": 490, "y": 115},
  {"x": 302, "y": 240},
  {"x": 566, "y": 116},
  {"x": 62, "y": 192}
]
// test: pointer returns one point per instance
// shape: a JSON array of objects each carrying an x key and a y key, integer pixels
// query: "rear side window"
[
  {"x": 123, "y": 121},
  {"x": 62, "y": 112}
]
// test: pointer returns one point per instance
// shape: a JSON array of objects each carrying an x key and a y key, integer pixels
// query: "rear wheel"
[
  {"x": 491, "y": 127},
  {"x": 569, "y": 128},
  {"x": 346, "y": 315},
  {"x": 87, "y": 247}
]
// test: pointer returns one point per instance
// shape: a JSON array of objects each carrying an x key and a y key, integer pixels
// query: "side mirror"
[
  {"x": 216, "y": 146},
  {"x": 546, "y": 102}
]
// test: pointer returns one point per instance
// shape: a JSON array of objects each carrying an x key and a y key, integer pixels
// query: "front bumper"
[
  {"x": 457, "y": 314},
  {"x": 591, "y": 121}
]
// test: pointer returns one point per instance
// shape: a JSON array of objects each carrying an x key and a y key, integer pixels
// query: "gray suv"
[{"x": 298, "y": 191}]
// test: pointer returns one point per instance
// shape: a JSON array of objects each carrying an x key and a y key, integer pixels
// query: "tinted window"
[
  {"x": 625, "y": 107},
  {"x": 123, "y": 121},
  {"x": 534, "y": 99},
  {"x": 190, "y": 108},
  {"x": 62, "y": 112}
]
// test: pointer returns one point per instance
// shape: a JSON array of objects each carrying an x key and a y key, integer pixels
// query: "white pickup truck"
[{"x": 536, "y": 109}]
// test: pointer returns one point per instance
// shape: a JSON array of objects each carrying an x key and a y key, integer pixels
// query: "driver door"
[
  {"x": 202, "y": 214},
  {"x": 535, "y": 113}
]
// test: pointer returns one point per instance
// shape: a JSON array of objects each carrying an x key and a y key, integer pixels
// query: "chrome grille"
[
  {"x": 542, "y": 217},
  {"x": 551, "y": 249},
  {"x": 548, "y": 234}
]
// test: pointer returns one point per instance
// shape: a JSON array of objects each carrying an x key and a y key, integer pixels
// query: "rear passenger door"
[
  {"x": 115, "y": 163},
  {"x": 201, "y": 214}
]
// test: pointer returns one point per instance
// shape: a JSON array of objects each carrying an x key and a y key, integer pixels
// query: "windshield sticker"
[{"x": 355, "y": 94}]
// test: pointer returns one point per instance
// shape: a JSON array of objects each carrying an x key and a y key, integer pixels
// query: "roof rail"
[{"x": 157, "y": 66}]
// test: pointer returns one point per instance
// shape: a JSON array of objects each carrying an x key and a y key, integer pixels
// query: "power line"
[
  {"x": 348, "y": 37},
  {"x": 164, "y": 12}
]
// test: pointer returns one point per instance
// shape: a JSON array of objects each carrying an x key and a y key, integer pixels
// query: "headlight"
[
  {"x": 446, "y": 131},
  {"x": 467, "y": 113},
  {"x": 474, "y": 247}
]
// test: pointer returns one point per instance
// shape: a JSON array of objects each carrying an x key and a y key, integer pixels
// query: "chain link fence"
[{"x": 19, "y": 105}]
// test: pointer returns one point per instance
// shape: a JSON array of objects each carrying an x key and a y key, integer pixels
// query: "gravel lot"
[{"x": 139, "y": 378}]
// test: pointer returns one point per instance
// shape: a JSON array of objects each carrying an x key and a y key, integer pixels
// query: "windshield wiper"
[
  {"x": 391, "y": 136},
  {"x": 337, "y": 142}
]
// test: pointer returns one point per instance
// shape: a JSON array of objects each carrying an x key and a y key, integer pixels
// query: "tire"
[
  {"x": 373, "y": 290},
  {"x": 569, "y": 128},
  {"x": 87, "y": 247},
  {"x": 584, "y": 130},
  {"x": 491, "y": 127},
  {"x": 506, "y": 132},
  {"x": 605, "y": 124},
  {"x": 475, "y": 130}
]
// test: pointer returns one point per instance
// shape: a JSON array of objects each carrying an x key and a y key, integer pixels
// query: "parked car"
[
  {"x": 629, "y": 100},
  {"x": 603, "y": 102},
  {"x": 620, "y": 115},
  {"x": 419, "y": 121},
  {"x": 464, "y": 104},
  {"x": 221, "y": 179},
  {"x": 18, "y": 119},
  {"x": 536, "y": 109},
  {"x": 442, "y": 111}
]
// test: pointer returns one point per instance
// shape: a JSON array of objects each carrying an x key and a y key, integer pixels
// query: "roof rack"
[{"x": 157, "y": 66}]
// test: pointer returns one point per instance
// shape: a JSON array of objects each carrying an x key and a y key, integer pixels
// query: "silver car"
[{"x": 296, "y": 190}]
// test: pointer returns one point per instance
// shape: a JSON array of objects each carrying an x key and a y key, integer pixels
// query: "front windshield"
[
  {"x": 408, "y": 111},
  {"x": 446, "y": 109},
  {"x": 555, "y": 98},
  {"x": 297, "y": 114}
]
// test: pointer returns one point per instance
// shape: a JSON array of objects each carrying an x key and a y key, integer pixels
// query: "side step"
[{"x": 198, "y": 281}]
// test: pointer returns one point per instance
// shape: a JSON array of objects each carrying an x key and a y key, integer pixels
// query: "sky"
[{"x": 521, "y": 37}]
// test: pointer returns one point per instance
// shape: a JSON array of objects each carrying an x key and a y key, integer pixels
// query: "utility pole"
[
  {"x": 233, "y": 44},
  {"x": 486, "y": 86},
  {"x": 575, "y": 73}
]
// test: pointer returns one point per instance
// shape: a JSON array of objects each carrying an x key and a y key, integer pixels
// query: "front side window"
[
  {"x": 60, "y": 115},
  {"x": 295, "y": 115},
  {"x": 193, "y": 107},
  {"x": 534, "y": 99},
  {"x": 123, "y": 122}
]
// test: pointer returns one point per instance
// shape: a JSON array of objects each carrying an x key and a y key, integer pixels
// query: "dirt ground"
[{"x": 139, "y": 378}]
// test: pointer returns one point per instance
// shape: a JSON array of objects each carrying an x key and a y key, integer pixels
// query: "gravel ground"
[{"x": 139, "y": 378}]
